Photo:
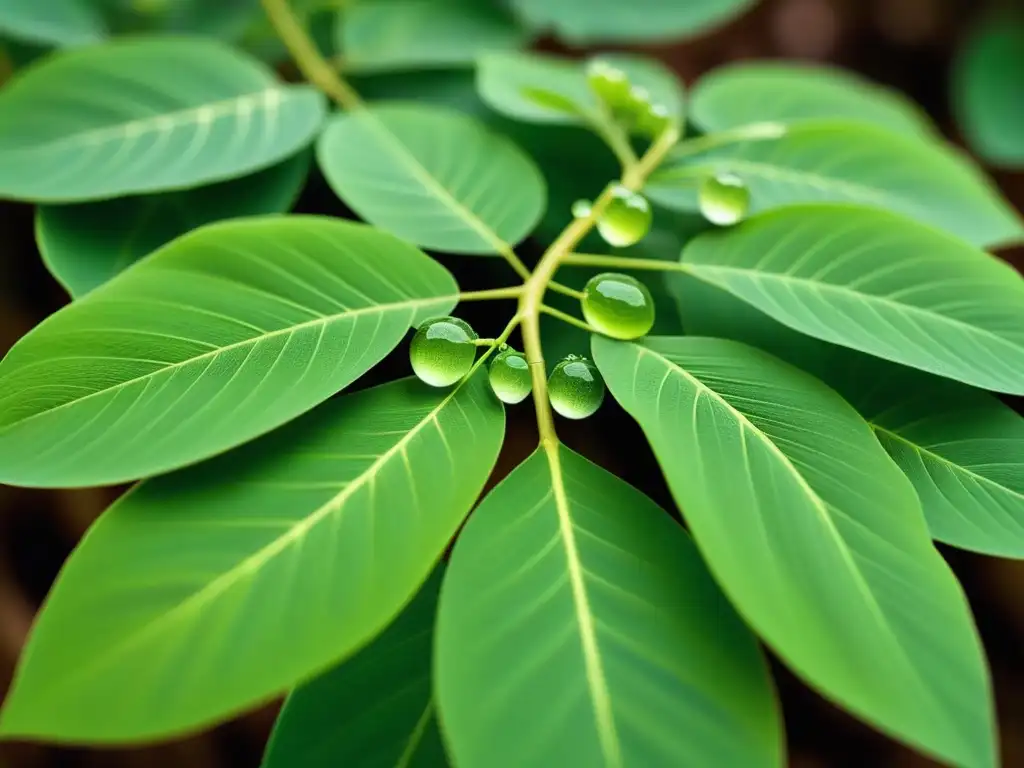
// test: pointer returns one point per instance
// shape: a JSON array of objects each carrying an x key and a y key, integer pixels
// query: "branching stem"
[
  {"x": 491, "y": 294},
  {"x": 565, "y": 318}
]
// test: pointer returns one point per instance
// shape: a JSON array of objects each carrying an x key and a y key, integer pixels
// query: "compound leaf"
[
  {"x": 214, "y": 339},
  {"x": 52, "y": 22},
  {"x": 261, "y": 568}
]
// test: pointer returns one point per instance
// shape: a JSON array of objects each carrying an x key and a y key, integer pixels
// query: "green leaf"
[
  {"x": 206, "y": 592},
  {"x": 578, "y": 626},
  {"x": 876, "y": 282},
  {"x": 581, "y": 21},
  {"x": 751, "y": 92},
  {"x": 218, "y": 337},
  {"x": 413, "y": 34},
  {"x": 52, "y": 22},
  {"x": 373, "y": 710},
  {"x": 146, "y": 115},
  {"x": 988, "y": 91},
  {"x": 432, "y": 176},
  {"x": 847, "y": 162},
  {"x": 85, "y": 245},
  {"x": 814, "y": 534}
]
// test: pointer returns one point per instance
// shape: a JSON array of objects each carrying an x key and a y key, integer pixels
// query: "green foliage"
[{"x": 827, "y": 415}]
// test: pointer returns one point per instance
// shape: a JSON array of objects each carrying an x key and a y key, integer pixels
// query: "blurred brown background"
[{"x": 907, "y": 44}]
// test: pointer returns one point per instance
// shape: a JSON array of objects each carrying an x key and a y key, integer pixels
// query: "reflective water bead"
[
  {"x": 626, "y": 219},
  {"x": 509, "y": 375},
  {"x": 723, "y": 199},
  {"x": 609, "y": 83},
  {"x": 442, "y": 350},
  {"x": 617, "y": 305},
  {"x": 575, "y": 388},
  {"x": 581, "y": 209}
]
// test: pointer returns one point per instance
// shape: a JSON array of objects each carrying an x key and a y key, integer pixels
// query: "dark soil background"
[{"x": 908, "y": 44}]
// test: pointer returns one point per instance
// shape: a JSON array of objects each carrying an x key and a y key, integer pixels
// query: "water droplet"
[
  {"x": 442, "y": 350},
  {"x": 575, "y": 388},
  {"x": 617, "y": 305},
  {"x": 509, "y": 375},
  {"x": 626, "y": 219},
  {"x": 581, "y": 209},
  {"x": 609, "y": 83},
  {"x": 723, "y": 199}
]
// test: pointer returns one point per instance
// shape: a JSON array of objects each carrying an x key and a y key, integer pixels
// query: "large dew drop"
[
  {"x": 723, "y": 199},
  {"x": 509, "y": 375},
  {"x": 619, "y": 306},
  {"x": 442, "y": 351},
  {"x": 626, "y": 219},
  {"x": 575, "y": 388}
]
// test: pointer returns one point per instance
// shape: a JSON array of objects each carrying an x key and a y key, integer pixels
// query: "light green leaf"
[
  {"x": 814, "y": 534},
  {"x": 581, "y": 21},
  {"x": 85, "y": 245},
  {"x": 988, "y": 90},
  {"x": 208, "y": 591},
  {"x": 752, "y": 92},
  {"x": 52, "y": 22},
  {"x": 218, "y": 337},
  {"x": 373, "y": 710},
  {"x": 876, "y": 282},
  {"x": 578, "y": 626},
  {"x": 413, "y": 34},
  {"x": 435, "y": 177},
  {"x": 848, "y": 162},
  {"x": 146, "y": 115}
]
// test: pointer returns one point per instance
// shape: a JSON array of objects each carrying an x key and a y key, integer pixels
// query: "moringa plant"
[{"x": 780, "y": 276}]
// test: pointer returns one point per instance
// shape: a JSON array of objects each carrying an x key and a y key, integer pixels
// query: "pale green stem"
[
  {"x": 565, "y": 290},
  {"x": 752, "y": 132},
  {"x": 623, "y": 262},
  {"x": 566, "y": 318},
  {"x": 617, "y": 141},
  {"x": 491, "y": 294}
]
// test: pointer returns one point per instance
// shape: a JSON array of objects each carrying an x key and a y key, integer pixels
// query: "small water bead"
[
  {"x": 581, "y": 209},
  {"x": 626, "y": 219},
  {"x": 575, "y": 388},
  {"x": 442, "y": 350},
  {"x": 723, "y": 199},
  {"x": 617, "y": 305},
  {"x": 509, "y": 375}
]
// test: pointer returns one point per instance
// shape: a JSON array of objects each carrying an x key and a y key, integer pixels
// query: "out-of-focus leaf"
[{"x": 52, "y": 22}]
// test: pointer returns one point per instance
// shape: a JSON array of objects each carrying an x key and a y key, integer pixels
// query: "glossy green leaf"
[
  {"x": 813, "y": 533},
  {"x": 988, "y": 91},
  {"x": 588, "y": 20},
  {"x": 52, "y": 22},
  {"x": 373, "y": 710},
  {"x": 435, "y": 177},
  {"x": 578, "y": 626},
  {"x": 752, "y": 92},
  {"x": 146, "y": 115},
  {"x": 413, "y": 34},
  {"x": 85, "y": 245},
  {"x": 848, "y": 162},
  {"x": 218, "y": 337},
  {"x": 206, "y": 592},
  {"x": 876, "y": 282}
]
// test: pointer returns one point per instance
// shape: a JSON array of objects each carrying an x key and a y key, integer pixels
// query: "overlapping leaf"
[
  {"x": 433, "y": 176},
  {"x": 814, "y": 534},
  {"x": 146, "y": 115},
  {"x": 205, "y": 592},
  {"x": 52, "y": 22},
  {"x": 578, "y": 626},
  {"x": 218, "y": 337},
  {"x": 876, "y": 282},
  {"x": 849, "y": 162}
]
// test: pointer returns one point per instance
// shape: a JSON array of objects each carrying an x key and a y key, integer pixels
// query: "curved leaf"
[
  {"x": 790, "y": 93},
  {"x": 52, "y": 22},
  {"x": 578, "y": 626},
  {"x": 86, "y": 245},
  {"x": 262, "y": 568},
  {"x": 146, "y": 115},
  {"x": 813, "y": 533},
  {"x": 375, "y": 709},
  {"x": 433, "y": 176},
  {"x": 849, "y": 162},
  {"x": 216, "y": 338},
  {"x": 876, "y": 282}
]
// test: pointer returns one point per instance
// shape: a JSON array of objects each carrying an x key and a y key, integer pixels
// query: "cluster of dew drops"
[{"x": 444, "y": 349}]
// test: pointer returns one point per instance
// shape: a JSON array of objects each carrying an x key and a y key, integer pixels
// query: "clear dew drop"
[
  {"x": 575, "y": 388},
  {"x": 509, "y": 374},
  {"x": 442, "y": 350},
  {"x": 723, "y": 199},
  {"x": 617, "y": 305},
  {"x": 626, "y": 219},
  {"x": 581, "y": 209}
]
